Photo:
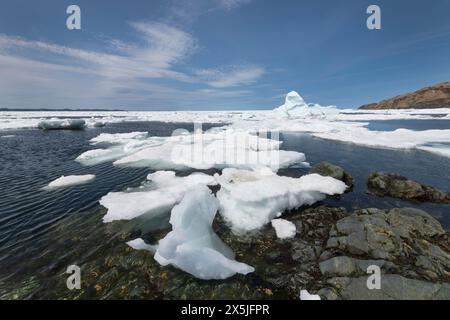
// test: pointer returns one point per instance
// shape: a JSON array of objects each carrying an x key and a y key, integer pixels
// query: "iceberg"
[
  {"x": 296, "y": 107},
  {"x": 68, "y": 181},
  {"x": 192, "y": 245},
  {"x": 69, "y": 124},
  {"x": 284, "y": 229},
  {"x": 251, "y": 199},
  {"x": 165, "y": 191}
]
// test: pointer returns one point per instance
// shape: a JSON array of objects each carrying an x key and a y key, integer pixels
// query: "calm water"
[
  {"x": 37, "y": 227},
  {"x": 413, "y": 124}
]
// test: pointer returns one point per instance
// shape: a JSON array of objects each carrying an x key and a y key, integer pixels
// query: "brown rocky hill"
[{"x": 436, "y": 96}]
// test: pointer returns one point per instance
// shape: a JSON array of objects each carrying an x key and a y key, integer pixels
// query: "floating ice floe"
[
  {"x": 213, "y": 149},
  {"x": 284, "y": 229},
  {"x": 192, "y": 245},
  {"x": 398, "y": 139},
  {"x": 119, "y": 138},
  {"x": 8, "y": 136},
  {"x": 296, "y": 107},
  {"x": 164, "y": 192},
  {"x": 305, "y": 295},
  {"x": 68, "y": 181},
  {"x": 439, "y": 149},
  {"x": 251, "y": 199},
  {"x": 68, "y": 124}
]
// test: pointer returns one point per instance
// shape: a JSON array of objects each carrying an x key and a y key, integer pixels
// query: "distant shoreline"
[{"x": 67, "y": 109}]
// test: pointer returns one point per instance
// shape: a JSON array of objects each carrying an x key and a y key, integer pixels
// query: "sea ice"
[
  {"x": 439, "y": 149},
  {"x": 139, "y": 244},
  {"x": 305, "y": 295},
  {"x": 68, "y": 124},
  {"x": 165, "y": 191},
  {"x": 213, "y": 149},
  {"x": 68, "y": 181},
  {"x": 119, "y": 138},
  {"x": 192, "y": 245},
  {"x": 251, "y": 199},
  {"x": 284, "y": 229},
  {"x": 398, "y": 139}
]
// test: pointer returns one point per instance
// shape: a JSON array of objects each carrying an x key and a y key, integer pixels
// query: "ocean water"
[
  {"x": 41, "y": 231},
  {"x": 411, "y": 124}
]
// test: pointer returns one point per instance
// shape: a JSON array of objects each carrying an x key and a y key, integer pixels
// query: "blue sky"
[{"x": 218, "y": 54}]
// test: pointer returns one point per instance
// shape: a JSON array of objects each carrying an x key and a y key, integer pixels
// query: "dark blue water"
[
  {"x": 31, "y": 218},
  {"x": 29, "y": 160}
]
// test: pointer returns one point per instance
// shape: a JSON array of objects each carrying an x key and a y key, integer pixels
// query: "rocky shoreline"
[{"x": 329, "y": 255}]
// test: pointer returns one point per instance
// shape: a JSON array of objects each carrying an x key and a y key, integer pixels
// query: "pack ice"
[{"x": 219, "y": 148}]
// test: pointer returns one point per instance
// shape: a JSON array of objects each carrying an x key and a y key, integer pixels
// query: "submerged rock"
[
  {"x": 325, "y": 168},
  {"x": 397, "y": 186}
]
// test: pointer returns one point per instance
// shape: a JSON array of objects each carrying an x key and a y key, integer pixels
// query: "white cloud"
[
  {"x": 232, "y": 4},
  {"x": 164, "y": 47},
  {"x": 237, "y": 75},
  {"x": 49, "y": 74}
]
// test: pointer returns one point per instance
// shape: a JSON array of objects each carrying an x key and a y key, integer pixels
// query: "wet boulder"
[
  {"x": 397, "y": 186},
  {"x": 327, "y": 169}
]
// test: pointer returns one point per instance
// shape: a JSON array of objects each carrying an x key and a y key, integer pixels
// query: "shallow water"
[{"x": 41, "y": 231}]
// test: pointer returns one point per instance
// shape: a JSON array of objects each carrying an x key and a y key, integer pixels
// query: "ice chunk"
[
  {"x": 192, "y": 245},
  {"x": 139, "y": 244},
  {"x": 96, "y": 156},
  {"x": 284, "y": 229},
  {"x": 166, "y": 190},
  {"x": 305, "y": 295},
  {"x": 118, "y": 138},
  {"x": 251, "y": 199},
  {"x": 68, "y": 124},
  {"x": 68, "y": 181}
]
